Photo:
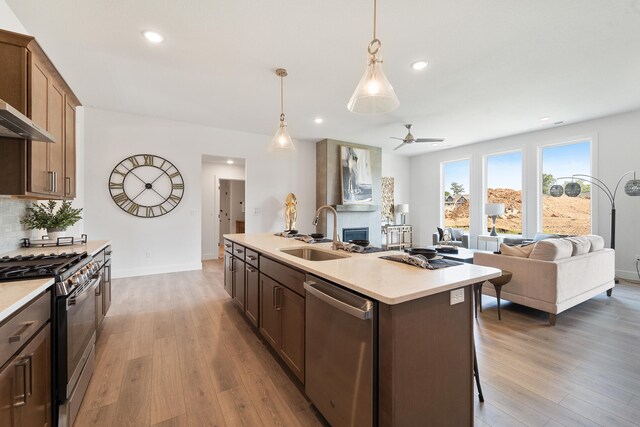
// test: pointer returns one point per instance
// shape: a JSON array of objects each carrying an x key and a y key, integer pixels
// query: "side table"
[
  {"x": 498, "y": 283},
  {"x": 489, "y": 239}
]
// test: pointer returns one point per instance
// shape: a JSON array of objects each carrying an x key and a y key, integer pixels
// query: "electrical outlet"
[{"x": 456, "y": 296}]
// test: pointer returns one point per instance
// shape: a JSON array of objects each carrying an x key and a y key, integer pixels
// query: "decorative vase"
[{"x": 55, "y": 233}]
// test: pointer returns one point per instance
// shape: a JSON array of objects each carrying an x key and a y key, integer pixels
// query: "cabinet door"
[
  {"x": 36, "y": 361},
  {"x": 292, "y": 340},
  {"x": 252, "y": 301},
  {"x": 7, "y": 379},
  {"x": 106, "y": 295},
  {"x": 99, "y": 304},
  {"x": 269, "y": 313},
  {"x": 40, "y": 178},
  {"x": 238, "y": 281},
  {"x": 70, "y": 150},
  {"x": 228, "y": 273},
  {"x": 56, "y": 121}
]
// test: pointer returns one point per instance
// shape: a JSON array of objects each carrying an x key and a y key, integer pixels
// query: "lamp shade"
[
  {"x": 572, "y": 189},
  {"x": 492, "y": 209},
  {"x": 402, "y": 208},
  {"x": 556, "y": 190},
  {"x": 632, "y": 188},
  {"x": 282, "y": 140},
  {"x": 374, "y": 94}
]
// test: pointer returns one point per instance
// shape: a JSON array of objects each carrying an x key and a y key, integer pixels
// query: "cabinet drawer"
[
  {"x": 251, "y": 257},
  {"x": 228, "y": 246},
  {"x": 238, "y": 251},
  {"x": 292, "y": 279},
  {"x": 15, "y": 332}
]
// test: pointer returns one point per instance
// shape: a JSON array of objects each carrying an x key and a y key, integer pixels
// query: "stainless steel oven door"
[{"x": 81, "y": 329}]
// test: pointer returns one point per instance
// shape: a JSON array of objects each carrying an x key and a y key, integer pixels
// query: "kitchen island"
[{"x": 422, "y": 330}]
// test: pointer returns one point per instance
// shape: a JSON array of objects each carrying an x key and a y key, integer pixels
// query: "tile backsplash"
[{"x": 11, "y": 231}]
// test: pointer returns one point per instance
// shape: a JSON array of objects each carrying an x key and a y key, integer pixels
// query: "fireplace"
[{"x": 360, "y": 233}]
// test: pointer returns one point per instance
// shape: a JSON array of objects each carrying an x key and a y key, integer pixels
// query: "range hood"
[{"x": 14, "y": 124}]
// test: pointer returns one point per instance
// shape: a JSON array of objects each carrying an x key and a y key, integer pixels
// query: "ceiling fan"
[{"x": 409, "y": 139}]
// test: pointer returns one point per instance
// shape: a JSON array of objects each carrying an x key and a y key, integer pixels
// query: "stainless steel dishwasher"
[{"x": 340, "y": 353}]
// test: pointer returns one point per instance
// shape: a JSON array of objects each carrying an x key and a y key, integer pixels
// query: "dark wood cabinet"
[
  {"x": 292, "y": 332},
  {"x": 228, "y": 273},
  {"x": 31, "y": 84},
  {"x": 252, "y": 296},
  {"x": 269, "y": 313},
  {"x": 239, "y": 282},
  {"x": 106, "y": 290},
  {"x": 25, "y": 354}
]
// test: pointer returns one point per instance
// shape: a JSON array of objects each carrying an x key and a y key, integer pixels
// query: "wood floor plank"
[
  {"x": 594, "y": 413},
  {"x": 103, "y": 416},
  {"x": 134, "y": 401},
  {"x": 167, "y": 399},
  {"x": 142, "y": 336},
  {"x": 238, "y": 409}
]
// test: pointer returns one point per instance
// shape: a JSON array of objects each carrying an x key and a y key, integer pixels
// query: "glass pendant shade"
[
  {"x": 632, "y": 188},
  {"x": 556, "y": 190},
  {"x": 374, "y": 94},
  {"x": 282, "y": 140},
  {"x": 572, "y": 189}
]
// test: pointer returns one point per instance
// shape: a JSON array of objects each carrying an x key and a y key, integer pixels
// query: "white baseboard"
[
  {"x": 212, "y": 255},
  {"x": 160, "y": 269},
  {"x": 630, "y": 275}
]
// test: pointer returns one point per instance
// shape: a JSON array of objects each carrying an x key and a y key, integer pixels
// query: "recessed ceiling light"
[
  {"x": 318, "y": 120},
  {"x": 229, "y": 162},
  {"x": 152, "y": 36},
  {"x": 419, "y": 65},
  {"x": 544, "y": 119}
]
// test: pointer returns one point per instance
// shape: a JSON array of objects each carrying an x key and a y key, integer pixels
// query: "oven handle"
[{"x": 86, "y": 292}]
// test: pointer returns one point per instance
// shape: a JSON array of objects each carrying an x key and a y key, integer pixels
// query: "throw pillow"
[
  {"x": 543, "y": 236},
  {"x": 597, "y": 242},
  {"x": 519, "y": 251},
  {"x": 551, "y": 250},
  {"x": 456, "y": 234},
  {"x": 440, "y": 234},
  {"x": 581, "y": 245}
]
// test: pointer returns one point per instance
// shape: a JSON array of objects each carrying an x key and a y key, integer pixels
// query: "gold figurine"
[{"x": 290, "y": 212}]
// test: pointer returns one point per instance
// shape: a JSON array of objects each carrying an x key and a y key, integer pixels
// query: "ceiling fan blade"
[
  {"x": 399, "y": 146},
  {"x": 429, "y": 140},
  {"x": 395, "y": 137}
]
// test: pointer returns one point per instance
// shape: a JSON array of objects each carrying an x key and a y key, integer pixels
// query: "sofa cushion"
[
  {"x": 456, "y": 233},
  {"x": 597, "y": 242},
  {"x": 522, "y": 251},
  {"x": 543, "y": 236},
  {"x": 551, "y": 250},
  {"x": 581, "y": 245}
]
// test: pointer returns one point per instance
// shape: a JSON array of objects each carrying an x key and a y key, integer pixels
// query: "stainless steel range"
[{"x": 73, "y": 321}]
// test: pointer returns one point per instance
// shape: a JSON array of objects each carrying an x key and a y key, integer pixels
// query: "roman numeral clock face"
[{"x": 146, "y": 186}]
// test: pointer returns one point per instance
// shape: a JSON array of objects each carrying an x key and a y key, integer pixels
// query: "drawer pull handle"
[
  {"x": 251, "y": 269},
  {"x": 252, "y": 258},
  {"x": 18, "y": 337},
  {"x": 227, "y": 245},
  {"x": 238, "y": 251}
]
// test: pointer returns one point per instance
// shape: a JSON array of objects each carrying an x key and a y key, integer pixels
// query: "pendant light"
[
  {"x": 374, "y": 94},
  {"x": 282, "y": 140}
]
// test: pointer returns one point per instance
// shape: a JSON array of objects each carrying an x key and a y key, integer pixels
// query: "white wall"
[
  {"x": 9, "y": 21},
  {"x": 616, "y": 150},
  {"x": 211, "y": 173},
  {"x": 173, "y": 242}
]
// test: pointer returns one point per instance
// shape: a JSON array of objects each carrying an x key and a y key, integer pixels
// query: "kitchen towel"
[{"x": 421, "y": 261}]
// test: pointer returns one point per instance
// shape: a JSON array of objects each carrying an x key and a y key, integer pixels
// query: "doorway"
[{"x": 232, "y": 207}]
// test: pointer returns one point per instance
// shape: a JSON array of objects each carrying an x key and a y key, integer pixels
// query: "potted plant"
[{"x": 46, "y": 217}]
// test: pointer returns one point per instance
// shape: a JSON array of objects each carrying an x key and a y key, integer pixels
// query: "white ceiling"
[{"x": 496, "y": 66}]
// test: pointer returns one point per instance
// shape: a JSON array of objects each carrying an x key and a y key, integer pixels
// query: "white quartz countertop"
[
  {"x": 386, "y": 281},
  {"x": 16, "y": 294}
]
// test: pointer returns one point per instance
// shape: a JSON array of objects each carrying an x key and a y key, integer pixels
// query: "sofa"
[
  {"x": 554, "y": 274},
  {"x": 458, "y": 237}
]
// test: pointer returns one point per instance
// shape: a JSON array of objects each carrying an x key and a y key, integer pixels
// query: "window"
[
  {"x": 456, "y": 193},
  {"x": 566, "y": 215},
  {"x": 504, "y": 185}
]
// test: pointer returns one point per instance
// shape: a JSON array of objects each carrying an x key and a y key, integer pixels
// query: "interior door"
[{"x": 269, "y": 313}]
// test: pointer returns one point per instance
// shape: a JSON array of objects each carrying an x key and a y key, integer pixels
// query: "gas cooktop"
[{"x": 23, "y": 267}]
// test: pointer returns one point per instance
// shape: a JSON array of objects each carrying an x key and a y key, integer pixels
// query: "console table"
[
  {"x": 403, "y": 236},
  {"x": 492, "y": 239}
]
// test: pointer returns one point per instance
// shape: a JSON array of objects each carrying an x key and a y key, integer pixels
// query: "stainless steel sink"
[{"x": 311, "y": 254}]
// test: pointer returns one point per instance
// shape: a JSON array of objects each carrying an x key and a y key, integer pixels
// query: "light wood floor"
[{"x": 174, "y": 351}]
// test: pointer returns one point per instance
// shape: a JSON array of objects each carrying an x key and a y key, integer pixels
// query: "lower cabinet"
[
  {"x": 252, "y": 296},
  {"x": 238, "y": 281},
  {"x": 228, "y": 273},
  {"x": 25, "y": 384},
  {"x": 282, "y": 323}
]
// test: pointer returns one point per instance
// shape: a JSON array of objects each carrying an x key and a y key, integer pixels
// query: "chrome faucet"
[{"x": 335, "y": 244}]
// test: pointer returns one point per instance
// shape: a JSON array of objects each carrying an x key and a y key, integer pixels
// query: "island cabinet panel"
[
  {"x": 239, "y": 282},
  {"x": 269, "y": 313},
  {"x": 293, "y": 279},
  {"x": 228, "y": 246},
  {"x": 425, "y": 356},
  {"x": 251, "y": 257},
  {"x": 292, "y": 332},
  {"x": 228, "y": 273},
  {"x": 252, "y": 297}
]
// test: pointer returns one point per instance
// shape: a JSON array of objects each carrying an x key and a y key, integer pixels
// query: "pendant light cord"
[
  {"x": 375, "y": 14},
  {"x": 281, "y": 98}
]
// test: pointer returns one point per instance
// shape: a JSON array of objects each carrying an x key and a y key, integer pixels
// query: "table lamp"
[
  {"x": 493, "y": 210},
  {"x": 402, "y": 209}
]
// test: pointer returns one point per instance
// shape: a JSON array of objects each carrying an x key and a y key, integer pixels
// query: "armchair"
[{"x": 458, "y": 238}]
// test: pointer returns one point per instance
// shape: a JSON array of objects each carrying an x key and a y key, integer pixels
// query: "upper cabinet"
[{"x": 31, "y": 84}]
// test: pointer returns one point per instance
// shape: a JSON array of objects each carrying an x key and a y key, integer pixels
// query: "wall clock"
[{"x": 146, "y": 186}]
